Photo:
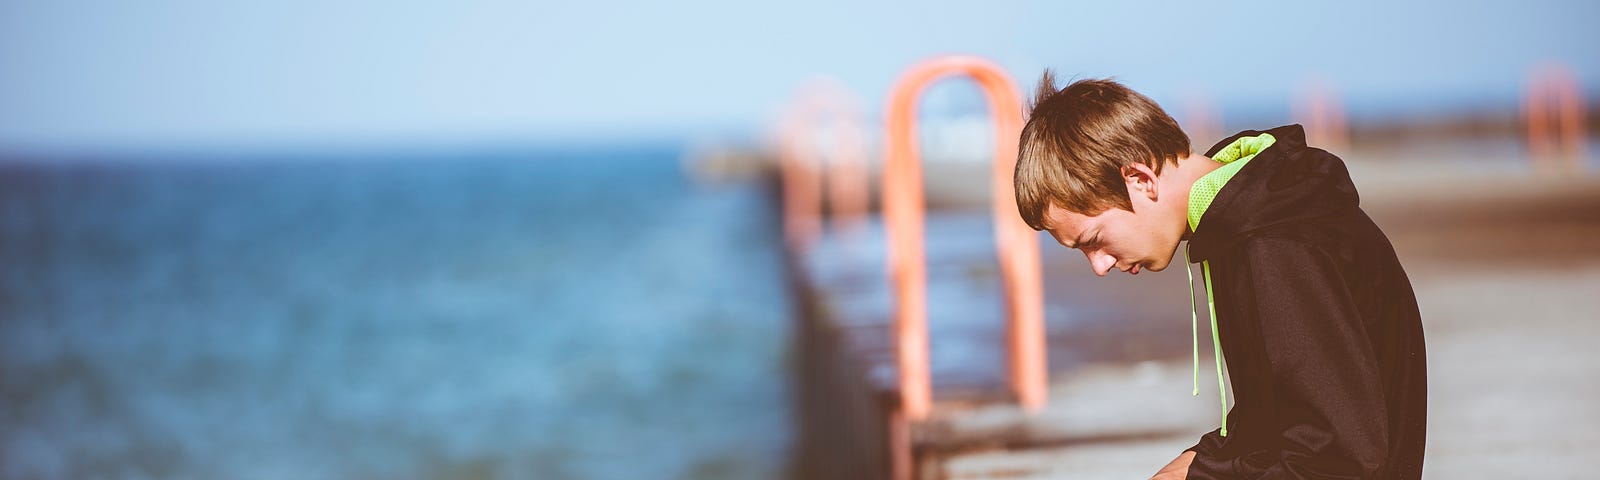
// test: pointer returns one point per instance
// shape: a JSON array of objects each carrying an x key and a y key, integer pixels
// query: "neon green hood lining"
[{"x": 1233, "y": 157}]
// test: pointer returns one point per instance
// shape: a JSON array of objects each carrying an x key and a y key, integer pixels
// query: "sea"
[{"x": 542, "y": 313}]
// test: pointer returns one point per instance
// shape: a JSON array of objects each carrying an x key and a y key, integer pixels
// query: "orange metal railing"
[
  {"x": 823, "y": 105},
  {"x": 1321, "y": 111},
  {"x": 1202, "y": 121},
  {"x": 1017, "y": 244},
  {"x": 1553, "y": 96}
]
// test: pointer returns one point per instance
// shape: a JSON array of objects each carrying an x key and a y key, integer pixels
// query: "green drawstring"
[
  {"x": 1233, "y": 159},
  {"x": 1216, "y": 341},
  {"x": 1194, "y": 322},
  {"x": 1216, "y": 347}
]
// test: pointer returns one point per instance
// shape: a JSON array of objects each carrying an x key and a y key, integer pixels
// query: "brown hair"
[{"x": 1078, "y": 139}]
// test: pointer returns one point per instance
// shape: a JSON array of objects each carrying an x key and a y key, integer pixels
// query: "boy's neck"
[{"x": 1189, "y": 170}]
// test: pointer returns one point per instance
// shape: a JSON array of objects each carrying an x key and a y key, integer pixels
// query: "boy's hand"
[{"x": 1177, "y": 470}]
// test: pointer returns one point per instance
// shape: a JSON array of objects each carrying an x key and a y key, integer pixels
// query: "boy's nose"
[{"x": 1100, "y": 262}]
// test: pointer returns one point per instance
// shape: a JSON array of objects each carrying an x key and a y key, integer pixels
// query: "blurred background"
[{"x": 484, "y": 239}]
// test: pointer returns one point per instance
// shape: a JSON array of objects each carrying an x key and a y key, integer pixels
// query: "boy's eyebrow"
[{"x": 1074, "y": 244}]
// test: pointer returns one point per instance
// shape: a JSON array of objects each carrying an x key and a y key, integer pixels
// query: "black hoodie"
[{"x": 1318, "y": 323}]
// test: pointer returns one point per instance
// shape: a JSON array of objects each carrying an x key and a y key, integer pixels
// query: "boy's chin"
[{"x": 1157, "y": 265}]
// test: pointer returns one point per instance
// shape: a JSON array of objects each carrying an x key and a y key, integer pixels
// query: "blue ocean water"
[{"x": 554, "y": 314}]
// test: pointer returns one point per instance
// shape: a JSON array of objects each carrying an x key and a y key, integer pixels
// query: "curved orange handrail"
[
  {"x": 1017, "y": 244},
  {"x": 802, "y": 176},
  {"x": 1554, "y": 83}
]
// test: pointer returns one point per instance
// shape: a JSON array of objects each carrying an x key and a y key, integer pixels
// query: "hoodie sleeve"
[{"x": 1331, "y": 416}]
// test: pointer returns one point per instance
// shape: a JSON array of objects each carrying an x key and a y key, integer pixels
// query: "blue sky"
[{"x": 77, "y": 74}]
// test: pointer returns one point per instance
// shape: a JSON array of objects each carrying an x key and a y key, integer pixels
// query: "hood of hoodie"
[
  {"x": 1265, "y": 180},
  {"x": 1275, "y": 185}
]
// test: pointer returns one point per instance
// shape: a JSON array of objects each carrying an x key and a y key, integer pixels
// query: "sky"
[{"x": 162, "y": 73}]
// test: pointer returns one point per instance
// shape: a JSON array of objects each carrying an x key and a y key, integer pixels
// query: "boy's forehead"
[{"x": 1064, "y": 224}]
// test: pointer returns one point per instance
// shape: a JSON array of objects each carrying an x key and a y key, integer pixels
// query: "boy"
[{"x": 1317, "y": 319}]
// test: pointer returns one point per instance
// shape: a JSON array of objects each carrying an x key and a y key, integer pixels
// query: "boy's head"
[{"x": 1090, "y": 171}]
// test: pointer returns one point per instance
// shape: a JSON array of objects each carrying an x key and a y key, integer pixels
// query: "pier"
[{"x": 1499, "y": 248}]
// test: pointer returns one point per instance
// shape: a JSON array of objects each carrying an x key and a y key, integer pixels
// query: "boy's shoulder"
[{"x": 1287, "y": 190}]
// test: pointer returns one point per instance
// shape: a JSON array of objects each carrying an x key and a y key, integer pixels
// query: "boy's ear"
[{"x": 1141, "y": 180}]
